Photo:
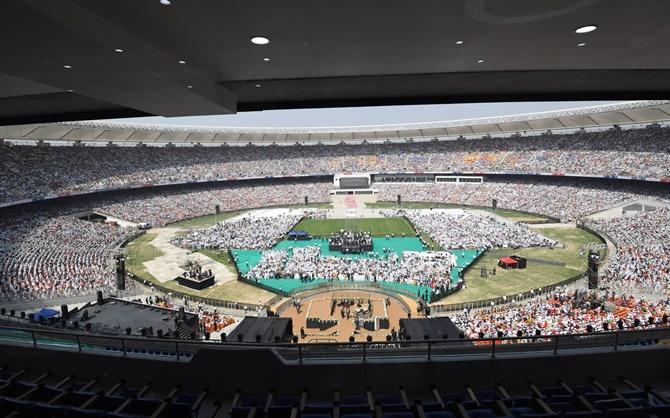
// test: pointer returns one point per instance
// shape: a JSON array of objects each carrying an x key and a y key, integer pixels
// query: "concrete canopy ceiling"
[{"x": 343, "y": 53}]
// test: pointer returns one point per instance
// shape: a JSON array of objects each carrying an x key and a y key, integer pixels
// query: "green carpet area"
[
  {"x": 247, "y": 259},
  {"x": 463, "y": 259}
]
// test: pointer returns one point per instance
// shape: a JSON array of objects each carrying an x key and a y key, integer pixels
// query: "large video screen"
[{"x": 354, "y": 182}]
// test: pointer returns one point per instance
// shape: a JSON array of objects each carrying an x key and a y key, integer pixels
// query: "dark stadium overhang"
[
  {"x": 593, "y": 117},
  {"x": 344, "y": 53}
]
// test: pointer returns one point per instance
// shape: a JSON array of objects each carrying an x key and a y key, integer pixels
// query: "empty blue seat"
[
  {"x": 390, "y": 402},
  {"x": 519, "y": 411},
  {"x": 398, "y": 415},
  {"x": 583, "y": 414},
  {"x": 279, "y": 411},
  {"x": 240, "y": 411},
  {"x": 354, "y": 400},
  {"x": 560, "y": 407},
  {"x": 87, "y": 413},
  {"x": 354, "y": 404},
  {"x": 634, "y": 412},
  {"x": 610, "y": 403},
  {"x": 597, "y": 396},
  {"x": 440, "y": 414},
  {"x": 316, "y": 408},
  {"x": 481, "y": 413}
]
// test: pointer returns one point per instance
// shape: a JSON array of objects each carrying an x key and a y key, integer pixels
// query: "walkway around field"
[{"x": 170, "y": 265}]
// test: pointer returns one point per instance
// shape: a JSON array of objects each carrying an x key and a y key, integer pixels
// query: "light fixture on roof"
[
  {"x": 266, "y": 59},
  {"x": 67, "y": 67},
  {"x": 459, "y": 42},
  {"x": 181, "y": 62},
  {"x": 480, "y": 61},
  {"x": 581, "y": 44},
  {"x": 260, "y": 40},
  {"x": 586, "y": 29},
  {"x": 119, "y": 50},
  {"x": 166, "y": 2}
]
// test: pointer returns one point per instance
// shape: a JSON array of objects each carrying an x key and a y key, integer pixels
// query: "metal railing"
[
  {"x": 238, "y": 306},
  {"x": 318, "y": 352}
]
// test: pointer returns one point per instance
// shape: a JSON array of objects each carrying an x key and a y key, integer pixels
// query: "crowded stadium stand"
[{"x": 505, "y": 266}]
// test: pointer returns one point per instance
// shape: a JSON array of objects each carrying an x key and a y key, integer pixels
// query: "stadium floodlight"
[
  {"x": 480, "y": 61},
  {"x": 119, "y": 50},
  {"x": 67, "y": 67},
  {"x": 459, "y": 42},
  {"x": 181, "y": 62},
  {"x": 258, "y": 85},
  {"x": 260, "y": 40},
  {"x": 266, "y": 59},
  {"x": 166, "y": 2},
  {"x": 581, "y": 44},
  {"x": 586, "y": 29}
]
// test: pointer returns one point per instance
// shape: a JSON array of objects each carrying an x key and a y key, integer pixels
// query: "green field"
[
  {"x": 206, "y": 221},
  {"x": 138, "y": 251},
  {"x": 535, "y": 276},
  {"x": 513, "y": 215},
  {"x": 378, "y": 227},
  {"x": 220, "y": 256}
]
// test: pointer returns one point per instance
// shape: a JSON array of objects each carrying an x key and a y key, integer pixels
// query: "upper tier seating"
[{"x": 31, "y": 172}]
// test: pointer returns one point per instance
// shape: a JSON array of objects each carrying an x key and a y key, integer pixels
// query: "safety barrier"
[{"x": 320, "y": 352}]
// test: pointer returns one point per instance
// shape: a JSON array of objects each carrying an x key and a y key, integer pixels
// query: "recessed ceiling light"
[
  {"x": 166, "y": 2},
  {"x": 258, "y": 85},
  {"x": 118, "y": 50},
  {"x": 181, "y": 62},
  {"x": 189, "y": 86},
  {"x": 266, "y": 59},
  {"x": 67, "y": 66},
  {"x": 586, "y": 29},
  {"x": 260, "y": 40},
  {"x": 581, "y": 44},
  {"x": 459, "y": 42},
  {"x": 480, "y": 61}
]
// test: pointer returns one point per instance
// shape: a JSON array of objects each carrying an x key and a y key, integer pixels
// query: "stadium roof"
[
  {"x": 639, "y": 112},
  {"x": 88, "y": 59}
]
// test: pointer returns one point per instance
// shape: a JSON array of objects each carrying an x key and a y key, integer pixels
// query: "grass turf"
[
  {"x": 141, "y": 250},
  {"x": 206, "y": 221},
  {"x": 513, "y": 215},
  {"x": 536, "y": 275},
  {"x": 378, "y": 227}
]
